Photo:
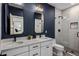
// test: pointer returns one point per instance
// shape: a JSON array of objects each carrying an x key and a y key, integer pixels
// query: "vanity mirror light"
[{"x": 39, "y": 19}]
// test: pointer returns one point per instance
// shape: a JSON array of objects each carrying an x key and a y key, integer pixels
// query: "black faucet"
[{"x": 14, "y": 38}]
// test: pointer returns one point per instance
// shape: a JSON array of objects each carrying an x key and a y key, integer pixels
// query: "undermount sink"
[{"x": 19, "y": 42}]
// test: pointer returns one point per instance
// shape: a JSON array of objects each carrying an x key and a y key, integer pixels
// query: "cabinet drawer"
[
  {"x": 15, "y": 51},
  {"x": 35, "y": 52},
  {"x": 34, "y": 46},
  {"x": 46, "y": 43},
  {"x": 23, "y": 54}
]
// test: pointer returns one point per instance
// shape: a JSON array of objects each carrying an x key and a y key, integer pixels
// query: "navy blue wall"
[
  {"x": 49, "y": 16},
  {"x": 29, "y": 21}
]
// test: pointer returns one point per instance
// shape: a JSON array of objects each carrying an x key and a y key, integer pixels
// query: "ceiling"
[{"x": 63, "y": 6}]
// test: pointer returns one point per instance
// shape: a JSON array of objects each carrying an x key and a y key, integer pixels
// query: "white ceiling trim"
[{"x": 63, "y": 6}]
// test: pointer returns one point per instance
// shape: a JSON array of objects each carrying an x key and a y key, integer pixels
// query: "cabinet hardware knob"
[
  {"x": 35, "y": 54},
  {"x": 47, "y": 47},
  {"x": 35, "y": 46}
]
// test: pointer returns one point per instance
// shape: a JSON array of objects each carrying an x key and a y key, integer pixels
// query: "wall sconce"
[{"x": 39, "y": 8}]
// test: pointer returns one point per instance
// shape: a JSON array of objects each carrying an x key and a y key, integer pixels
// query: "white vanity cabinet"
[
  {"x": 46, "y": 49},
  {"x": 41, "y": 49},
  {"x": 35, "y": 48},
  {"x": 23, "y": 54},
  {"x": 35, "y": 52},
  {"x": 15, "y": 51}
]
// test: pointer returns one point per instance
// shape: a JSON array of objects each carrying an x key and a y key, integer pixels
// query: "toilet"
[{"x": 59, "y": 49}]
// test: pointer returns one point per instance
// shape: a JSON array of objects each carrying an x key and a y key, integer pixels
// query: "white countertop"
[{"x": 10, "y": 44}]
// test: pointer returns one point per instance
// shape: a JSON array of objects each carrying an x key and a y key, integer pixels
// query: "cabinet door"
[
  {"x": 46, "y": 51},
  {"x": 23, "y": 54}
]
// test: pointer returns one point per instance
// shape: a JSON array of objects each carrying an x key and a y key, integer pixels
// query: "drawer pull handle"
[
  {"x": 47, "y": 47},
  {"x": 35, "y": 46},
  {"x": 35, "y": 54}
]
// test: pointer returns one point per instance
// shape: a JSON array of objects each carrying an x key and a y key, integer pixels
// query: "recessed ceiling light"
[{"x": 19, "y": 3}]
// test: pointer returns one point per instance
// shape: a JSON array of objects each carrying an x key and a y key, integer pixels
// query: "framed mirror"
[{"x": 39, "y": 19}]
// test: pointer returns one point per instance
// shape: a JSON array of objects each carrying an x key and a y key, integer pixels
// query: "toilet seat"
[{"x": 59, "y": 47}]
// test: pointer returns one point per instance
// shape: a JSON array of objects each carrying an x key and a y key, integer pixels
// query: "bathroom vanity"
[
  {"x": 15, "y": 22},
  {"x": 24, "y": 47}
]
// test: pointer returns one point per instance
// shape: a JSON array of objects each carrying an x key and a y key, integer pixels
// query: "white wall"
[
  {"x": 58, "y": 35},
  {"x": 67, "y": 37},
  {"x": 70, "y": 38}
]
